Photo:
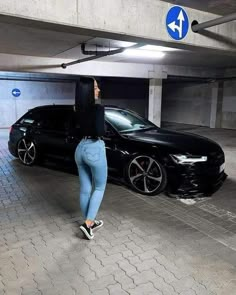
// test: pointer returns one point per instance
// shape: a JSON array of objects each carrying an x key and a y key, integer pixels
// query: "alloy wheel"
[
  {"x": 26, "y": 151},
  {"x": 145, "y": 174}
]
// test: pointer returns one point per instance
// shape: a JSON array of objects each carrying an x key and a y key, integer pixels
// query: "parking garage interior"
[{"x": 159, "y": 244}]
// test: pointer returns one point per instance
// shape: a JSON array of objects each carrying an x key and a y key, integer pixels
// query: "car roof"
[{"x": 65, "y": 106}]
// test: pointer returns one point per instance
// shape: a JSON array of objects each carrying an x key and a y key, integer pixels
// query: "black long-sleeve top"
[{"x": 92, "y": 120}]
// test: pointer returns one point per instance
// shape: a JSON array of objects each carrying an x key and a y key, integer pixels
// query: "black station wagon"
[{"x": 148, "y": 158}]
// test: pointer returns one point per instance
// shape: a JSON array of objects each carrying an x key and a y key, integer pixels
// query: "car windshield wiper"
[
  {"x": 146, "y": 128},
  {"x": 140, "y": 129}
]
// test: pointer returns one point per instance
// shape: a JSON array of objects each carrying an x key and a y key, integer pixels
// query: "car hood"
[{"x": 179, "y": 141}]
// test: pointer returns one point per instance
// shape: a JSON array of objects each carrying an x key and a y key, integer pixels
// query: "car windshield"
[{"x": 125, "y": 121}]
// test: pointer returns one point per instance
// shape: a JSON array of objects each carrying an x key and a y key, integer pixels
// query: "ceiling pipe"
[
  {"x": 98, "y": 54},
  {"x": 196, "y": 27},
  {"x": 199, "y": 79}
]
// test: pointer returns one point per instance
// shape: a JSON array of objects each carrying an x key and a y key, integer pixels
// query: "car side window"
[
  {"x": 55, "y": 120},
  {"x": 30, "y": 118}
]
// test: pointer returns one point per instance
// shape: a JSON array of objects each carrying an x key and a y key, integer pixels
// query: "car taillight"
[{"x": 11, "y": 129}]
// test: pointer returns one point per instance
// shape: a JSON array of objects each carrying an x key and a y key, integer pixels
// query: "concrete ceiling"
[
  {"x": 220, "y": 7},
  {"x": 21, "y": 40},
  {"x": 17, "y": 39}
]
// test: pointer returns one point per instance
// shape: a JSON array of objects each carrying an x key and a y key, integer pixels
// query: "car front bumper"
[{"x": 196, "y": 179}]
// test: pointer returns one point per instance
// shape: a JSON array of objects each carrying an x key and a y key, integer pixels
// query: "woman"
[{"x": 90, "y": 156}]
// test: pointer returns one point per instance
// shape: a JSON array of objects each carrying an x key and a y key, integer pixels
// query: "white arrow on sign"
[{"x": 179, "y": 28}]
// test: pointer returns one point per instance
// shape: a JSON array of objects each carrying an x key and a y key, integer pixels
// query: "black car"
[{"x": 148, "y": 158}]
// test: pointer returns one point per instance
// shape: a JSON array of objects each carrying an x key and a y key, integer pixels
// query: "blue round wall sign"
[
  {"x": 16, "y": 92},
  {"x": 177, "y": 23}
]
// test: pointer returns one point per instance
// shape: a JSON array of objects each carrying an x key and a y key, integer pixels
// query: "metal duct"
[{"x": 218, "y": 21}]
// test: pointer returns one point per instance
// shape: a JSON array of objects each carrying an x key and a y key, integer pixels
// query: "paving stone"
[
  {"x": 1, "y": 284},
  {"x": 93, "y": 262},
  {"x": 127, "y": 267},
  {"x": 164, "y": 287},
  {"x": 150, "y": 246},
  {"x": 78, "y": 283},
  {"x": 99, "y": 252},
  {"x": 125, "y": 281},
  {"x": 101, "y": 283},
  {"x": 144, "y": 277},
  {"x": 86, "y": 272},
  {"x": 35, "y": 292},
  {"x": 112, "y": 259},
  {"x": 134, "y": 260},
  {"x": 161, "y": 270},
  {"x": 184, "y": 284},
  {"x": 188, "y": 292},
  {"x": 106, "y": 270},
  {"x": 144, "y": 289},
  {"x": 134, "y": 248},
  {"x": 149, "y": 254},
  {"x": 13, "y": 291},
  {"x": 116, "y": 290},
  {"x": 229, "y": 289},
  {"x": 103, "y": 292}
]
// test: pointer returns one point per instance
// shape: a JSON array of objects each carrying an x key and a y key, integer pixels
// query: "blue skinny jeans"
[{"x": 90, "y": 157}]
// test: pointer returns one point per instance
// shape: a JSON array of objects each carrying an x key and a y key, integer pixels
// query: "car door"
[
  {"x": 113, "y": 144},
  {"x": 50, "y": 132},
  {"x": 73, "y": 136}
]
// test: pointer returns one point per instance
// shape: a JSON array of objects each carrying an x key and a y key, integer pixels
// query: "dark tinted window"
[
  {"x": 55, "y": 119},
  {"x": 125, "y": 121},
  {"x": 30, "y": 118}
]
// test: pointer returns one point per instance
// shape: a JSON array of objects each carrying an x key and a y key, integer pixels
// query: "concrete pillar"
[
  {"x": 155, "y": 98},
  {"x": 216, "y": 104}
]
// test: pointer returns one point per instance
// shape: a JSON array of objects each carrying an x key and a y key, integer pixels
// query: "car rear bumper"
[{"x": 12, "y": 148}]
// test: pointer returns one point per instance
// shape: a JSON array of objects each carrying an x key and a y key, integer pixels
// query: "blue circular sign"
[
  {"x": 16, "y": 92},
  {"x": 177, "y": 23}
]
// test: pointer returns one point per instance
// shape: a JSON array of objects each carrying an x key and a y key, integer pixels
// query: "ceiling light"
[
  {"x": 144, "y": 53},
  {"x": 158, "y": 48}
]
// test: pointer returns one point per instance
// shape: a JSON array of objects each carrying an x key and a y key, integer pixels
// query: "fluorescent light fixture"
[
  {"x": 158, "y": 48},
  {"x": 144, "y": 53},
  {"x": 124, "y": 44}
]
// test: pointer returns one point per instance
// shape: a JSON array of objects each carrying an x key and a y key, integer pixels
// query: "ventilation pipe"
[
  {"x": 96, "y": 54},
  {"x": 196, "y": 27}
]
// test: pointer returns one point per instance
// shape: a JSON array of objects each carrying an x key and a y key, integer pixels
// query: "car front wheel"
[
  {"x": 26, "y": 151},
  {"x": 146, "y": 175}
]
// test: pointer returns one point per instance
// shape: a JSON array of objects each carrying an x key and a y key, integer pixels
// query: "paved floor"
[{"x": 148, "y": 246}]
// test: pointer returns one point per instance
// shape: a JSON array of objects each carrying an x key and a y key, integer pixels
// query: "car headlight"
[{"x": 188, "y": 159}]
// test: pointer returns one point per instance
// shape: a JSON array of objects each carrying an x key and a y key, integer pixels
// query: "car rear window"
[{"x": 29, "y": 118}]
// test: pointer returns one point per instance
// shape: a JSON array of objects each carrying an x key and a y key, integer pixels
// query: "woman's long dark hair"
[{"x": 84, "y": 93}]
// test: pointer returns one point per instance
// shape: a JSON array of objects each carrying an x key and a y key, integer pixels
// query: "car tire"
[
  {"x": 26, "y": 151},
  {"x": 146, "y": 175}
]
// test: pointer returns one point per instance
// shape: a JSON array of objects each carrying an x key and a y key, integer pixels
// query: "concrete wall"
[
  {"x": 43, "y": 93},
  {"x": 32, "y": 94},
  {"x": 185, "y": 102},
  {"x": 228, "y": 119}
]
